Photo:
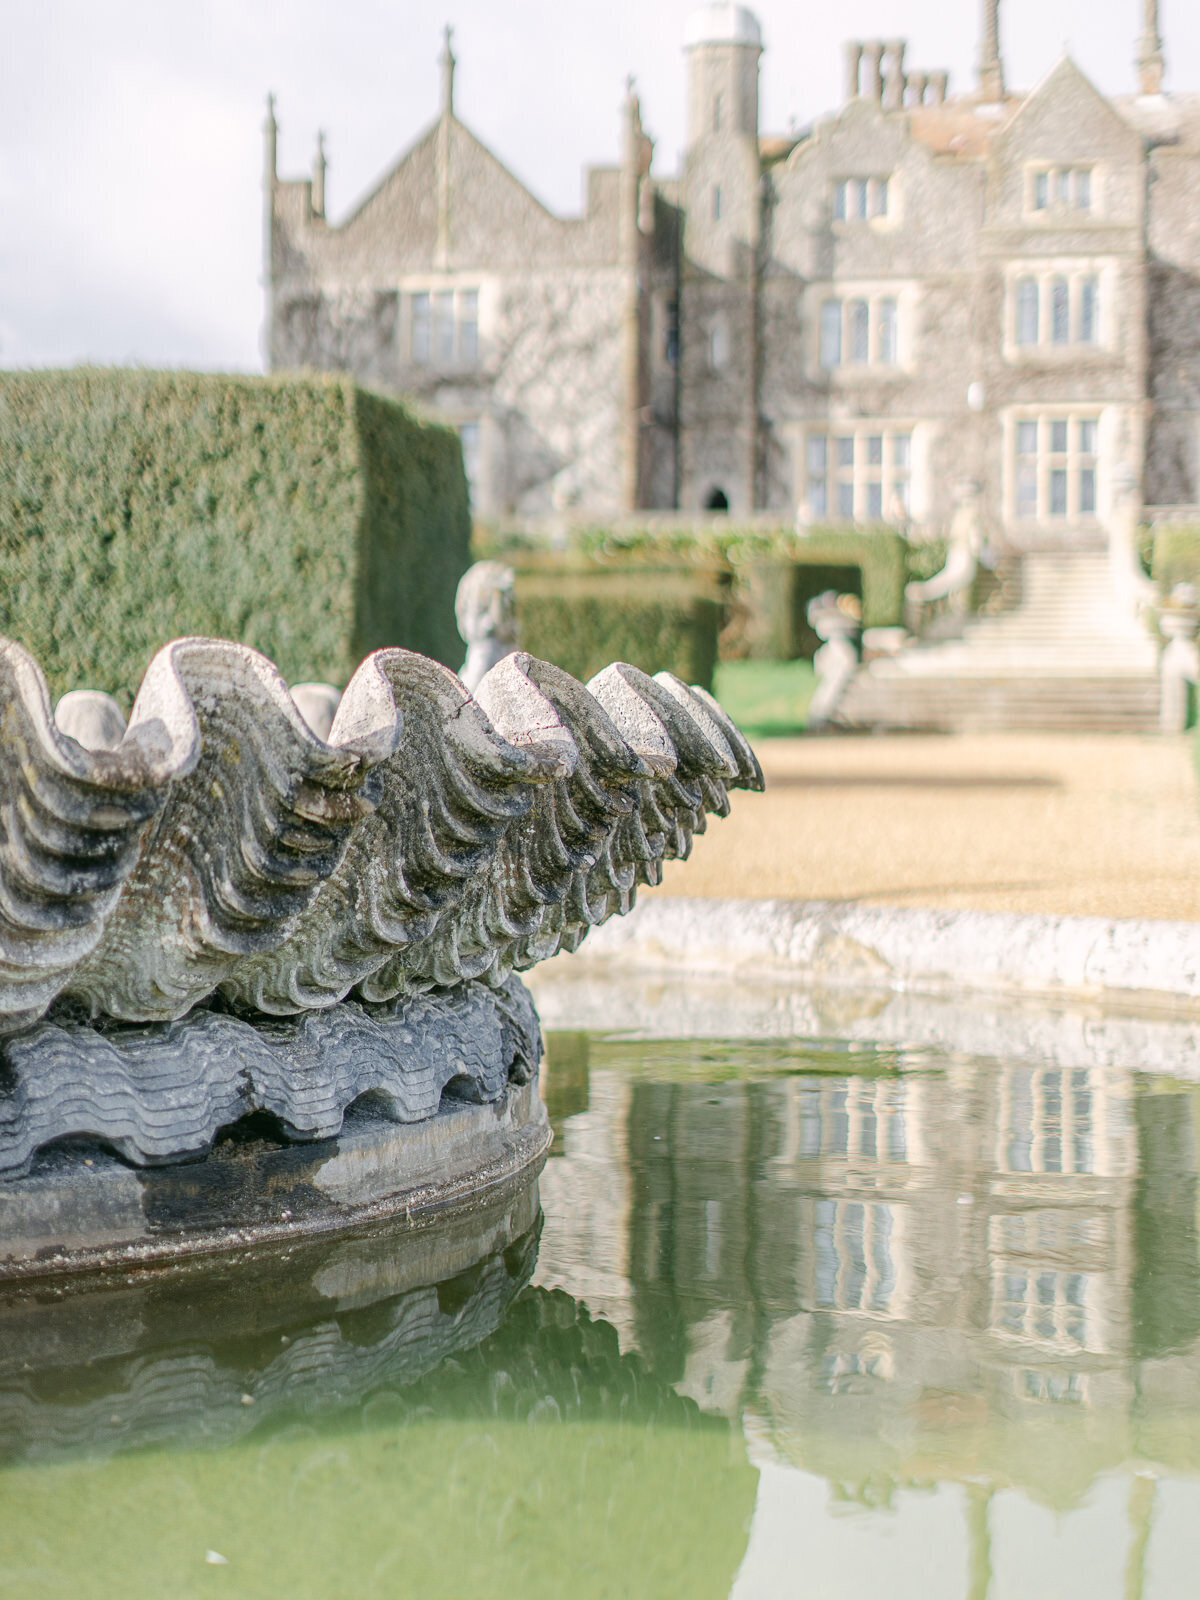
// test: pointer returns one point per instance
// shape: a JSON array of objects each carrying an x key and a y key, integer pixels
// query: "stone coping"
[
  {"x": 920, "y": 1030},
  {"x": 1132, "y": 964}
]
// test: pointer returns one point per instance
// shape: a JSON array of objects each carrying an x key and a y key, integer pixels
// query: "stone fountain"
[{"x": 275, "y": 972}]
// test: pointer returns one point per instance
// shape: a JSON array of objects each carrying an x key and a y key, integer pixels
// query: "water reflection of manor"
[{"x": 899, "y": 1257}]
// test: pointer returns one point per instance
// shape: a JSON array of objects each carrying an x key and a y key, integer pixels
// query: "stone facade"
[{"x": 838, "y": 325}]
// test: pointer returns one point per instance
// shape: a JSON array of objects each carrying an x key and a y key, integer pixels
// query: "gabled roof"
[{"x": 1066, "y": 80}]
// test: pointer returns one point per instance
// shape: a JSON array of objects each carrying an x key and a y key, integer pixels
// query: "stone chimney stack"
[
  {"x": 939, "y": 84},
  {"x": 1150, "y": 51},
  {"x": 893, "y": 78},
  {"x": 854, "y": 55},
  {"x": 318, "y": 179},
  {"x": 991, "y": 68},
  {"x": 917, "y": 82},
  {"x": 873, "y": 55}
]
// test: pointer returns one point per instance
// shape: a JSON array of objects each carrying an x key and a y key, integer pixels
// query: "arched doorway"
[{"x": 717, "y": 500}]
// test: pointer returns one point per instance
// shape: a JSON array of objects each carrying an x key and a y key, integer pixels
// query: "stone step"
[{"x": 954, "y": 704}]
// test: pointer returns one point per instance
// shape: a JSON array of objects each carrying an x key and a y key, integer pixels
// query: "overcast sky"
[{"x": 131, "y": 148}]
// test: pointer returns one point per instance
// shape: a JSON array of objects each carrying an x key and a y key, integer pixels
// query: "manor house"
[{"x": 836, "y": 325}]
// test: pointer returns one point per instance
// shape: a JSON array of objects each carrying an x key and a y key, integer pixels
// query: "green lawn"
[{"x": 766, "y": 697}]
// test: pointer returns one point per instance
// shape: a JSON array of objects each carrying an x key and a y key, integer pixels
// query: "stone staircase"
[{"x": 1066, "y": 656}]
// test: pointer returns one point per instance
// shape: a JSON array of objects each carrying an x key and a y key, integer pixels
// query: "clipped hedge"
[
  {"x": 767, "y": 623},
  {"x": 771, "y": 612},
  {"x": 301, "y": 515},
  {"x": 655, "y": 620},
  {"x": 1176, "y": 555}
]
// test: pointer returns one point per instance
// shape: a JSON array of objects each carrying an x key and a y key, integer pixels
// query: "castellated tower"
[
  {"x": 719, "y": 433},
  {"x": 722, "y": 43}
]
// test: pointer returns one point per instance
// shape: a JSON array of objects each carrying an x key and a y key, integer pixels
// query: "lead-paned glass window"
[
  {"x": 1027, "y": 475},
  {"x": 1089, "y": 302},
  {"x": 831, "y": 333},
  {"x": 421, "y": 342},
  {"x": 1057, "y": 476},
  {"x": 1083, "y": 188},
  {"x": 468, "y": 327},
  {"x": 1027, "y": 311},
  {"x": 862, "y": 474},
  {"x": 859, "y": 195},
  {"x": 1062, "y": 186},
  {"x": 888, "y": 344},
  {"x": 879, "y": 200},
  {"x": 840, "y": 197},
  {"x": 1060, "y": 311},
  {"x": 860, "y": 330},
  {"x": 1088, "y": 431},
  {"x": 1041, "y": 191},
  {"x": 443, "y": 327},
  {"x": 818, "y": 473}
]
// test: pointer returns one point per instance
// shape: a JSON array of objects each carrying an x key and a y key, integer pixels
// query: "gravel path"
[{"x": 1069, "y": 824}]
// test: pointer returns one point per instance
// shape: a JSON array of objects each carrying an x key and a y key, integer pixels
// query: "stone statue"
[
  {"x": 836, "y": 620},
  {"x": 966, "y": 545},
  {"x": 485, "y": 609}
]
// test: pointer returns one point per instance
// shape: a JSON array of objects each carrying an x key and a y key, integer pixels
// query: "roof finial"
[
  {"x": 270, "y": 141},
  {"x": 447, "y": 59},
  {"x": 320, "y": 164}
]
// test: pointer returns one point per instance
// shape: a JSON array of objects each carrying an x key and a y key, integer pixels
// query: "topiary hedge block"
[
  {"x": 300, "y": 515},
  {"x": 1176, "y": 557},
  {"x": 581, "y": 622}
]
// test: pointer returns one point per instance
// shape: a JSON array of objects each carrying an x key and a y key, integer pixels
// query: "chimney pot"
[
  {"x": 873, "y": 55},
  {"x": 854, "y": 55},
  {"x": 893, "y": 91}
]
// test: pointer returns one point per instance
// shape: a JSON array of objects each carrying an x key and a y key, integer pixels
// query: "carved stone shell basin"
[
  {"x": 219, "y": 855},
  {"x": 222, "y": 847}
]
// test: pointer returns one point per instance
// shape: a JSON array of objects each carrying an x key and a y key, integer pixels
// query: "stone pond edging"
[{"x": 845, "y": 945}]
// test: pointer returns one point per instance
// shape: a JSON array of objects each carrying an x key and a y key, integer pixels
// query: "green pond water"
[{"x": 780, "y": 1320}]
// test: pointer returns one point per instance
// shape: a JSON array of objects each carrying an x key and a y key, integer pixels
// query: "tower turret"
[{"x": 723, "y": 43}]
